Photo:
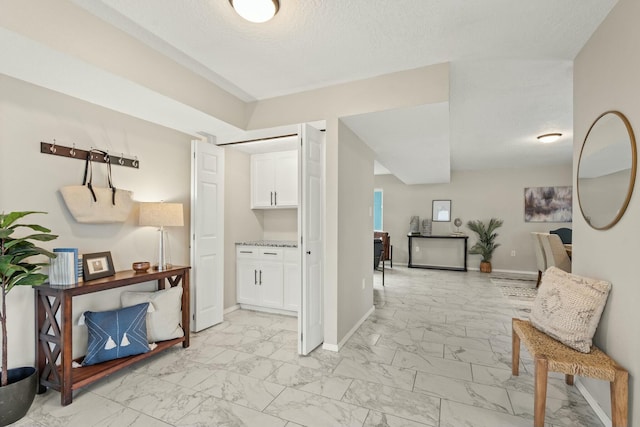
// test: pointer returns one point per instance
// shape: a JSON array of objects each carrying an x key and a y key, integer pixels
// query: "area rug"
[{"x": 520, "y": 291}]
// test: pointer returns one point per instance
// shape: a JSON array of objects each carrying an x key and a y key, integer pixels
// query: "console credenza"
[
  {"x": 54, "y": 329},
  {"x": 461, "y": 239}
]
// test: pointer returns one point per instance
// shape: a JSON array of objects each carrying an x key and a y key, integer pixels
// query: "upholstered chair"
[
  {"x": 555, "y": 252},
  {"x": 541, "y": 259}
]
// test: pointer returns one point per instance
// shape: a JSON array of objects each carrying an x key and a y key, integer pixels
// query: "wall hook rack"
[{"x": 76, "y": 153}]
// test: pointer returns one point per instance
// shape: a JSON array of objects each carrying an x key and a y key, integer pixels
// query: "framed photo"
[
  {"x": 441, "y": 211},
  {"x": 97, "y": 265}
]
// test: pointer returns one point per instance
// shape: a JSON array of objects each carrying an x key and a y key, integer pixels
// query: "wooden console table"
[
  {"x": 54, "y": 338},
  {"x": 437, "y": 267}
]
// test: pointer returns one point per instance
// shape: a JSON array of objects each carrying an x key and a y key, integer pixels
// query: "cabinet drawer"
[
  {"x": 246, "y": 252},
  {"x": 271, "y": 254}
]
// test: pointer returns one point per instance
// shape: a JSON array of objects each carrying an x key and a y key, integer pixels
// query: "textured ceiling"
[{"x": 510, "y": 78}]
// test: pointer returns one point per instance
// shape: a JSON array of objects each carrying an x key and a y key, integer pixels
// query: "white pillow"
[
  {"x": 568, "y": 307},
  {"x": 164, "y": 321}
]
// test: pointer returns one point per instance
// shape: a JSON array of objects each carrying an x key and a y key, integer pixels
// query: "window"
[{"x": 377, "y": 210}]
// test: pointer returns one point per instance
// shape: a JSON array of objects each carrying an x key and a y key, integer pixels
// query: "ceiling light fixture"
[
  {"x": 549, "y": 137},
  {"x": 257, "y": 11}
]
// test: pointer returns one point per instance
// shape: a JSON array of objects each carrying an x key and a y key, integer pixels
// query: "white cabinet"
[
  {"x": 274, "y": 180},
  {"x": 268, "y": 277},
  {"x": 291, "y": 279}
]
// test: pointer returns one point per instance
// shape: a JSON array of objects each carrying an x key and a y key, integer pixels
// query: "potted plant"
[
  {"x": 486, "y": 243},
  {"x": 18, "y": 386}
]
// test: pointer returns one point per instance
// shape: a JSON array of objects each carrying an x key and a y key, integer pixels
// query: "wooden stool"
[{"x": 552, "y": 356}]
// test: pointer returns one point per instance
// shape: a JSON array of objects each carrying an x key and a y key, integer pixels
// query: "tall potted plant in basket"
[
  {"x": 18, "y": 386},
  {"x": 486, "y": 243}
]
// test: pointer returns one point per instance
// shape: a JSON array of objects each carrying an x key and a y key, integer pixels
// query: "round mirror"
[{"x": 606, "y": 170}]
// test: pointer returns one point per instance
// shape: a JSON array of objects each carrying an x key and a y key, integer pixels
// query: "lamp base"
[{"x": 165, "y": 267}]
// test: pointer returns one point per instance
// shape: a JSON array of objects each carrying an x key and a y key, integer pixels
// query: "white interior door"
[
  {"x": 207, "y": 235},
  {"x": 311, "y": 218}
]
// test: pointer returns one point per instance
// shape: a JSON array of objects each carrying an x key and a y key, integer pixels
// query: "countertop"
[{"x": 271, "y": 243}]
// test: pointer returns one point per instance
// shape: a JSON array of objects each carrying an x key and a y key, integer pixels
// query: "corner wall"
[
  {"x": 606, "y": 78},
  {"x": 30, "y": 180},
  {"x": 355, "y": 249}
]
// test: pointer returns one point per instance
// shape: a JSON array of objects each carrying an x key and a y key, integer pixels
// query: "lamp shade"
[{"x": 161, "y": 214}]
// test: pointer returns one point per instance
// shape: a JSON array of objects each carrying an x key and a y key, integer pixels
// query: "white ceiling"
[{"x": 511, "y": 67}]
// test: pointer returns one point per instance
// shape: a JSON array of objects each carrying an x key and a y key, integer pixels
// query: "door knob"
[{"x": 308, "y": 252}]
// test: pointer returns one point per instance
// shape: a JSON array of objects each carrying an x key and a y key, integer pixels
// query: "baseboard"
[
  {"x": 602, "y": 415},
  {"x": 334, "y": 347},
  {"x": 268, "y": 310},
  {"x": 231, "y": 309},
  {"x": 499, "y": 270}
]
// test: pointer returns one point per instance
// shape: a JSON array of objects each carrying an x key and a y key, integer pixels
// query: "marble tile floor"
[{"x": 436, "y": 352}]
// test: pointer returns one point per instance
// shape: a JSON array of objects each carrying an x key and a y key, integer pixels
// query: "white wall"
[
  {"x": 280, "y": 224},
  {"x": 355, "y": 251},
  {"x": 474, "y": 195},
  {"x": 30, "y": 180},
  {"x": 606, "y": 78}
]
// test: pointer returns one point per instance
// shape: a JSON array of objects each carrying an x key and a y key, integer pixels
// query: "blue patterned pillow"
[{"x": 116, "y": 333}]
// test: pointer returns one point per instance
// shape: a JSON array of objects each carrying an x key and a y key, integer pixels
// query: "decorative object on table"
[
  {"x": 426, "y": 227},
  {"x": 457, "y": 222},
  {"x": 18, "y": 385},
  {"x": 548, "y": 204},
  {"x": 486, "y": 243},
  {"x": 64, "y": 267},
  {"x": 141, "y": 266},
  {"x": 414, "y": 225},
  {"x": 79, "y": 269},
  {"x": 162, "y": 215},
  {"x": 441, "y": 210},
  {"x": 97, "y": 205},
  {"x": 97, "y": 265}
]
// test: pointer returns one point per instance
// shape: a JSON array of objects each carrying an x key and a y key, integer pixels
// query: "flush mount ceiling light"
[
  {"x": 257, "y": 11},
  {"x": 549, "y": 137}
]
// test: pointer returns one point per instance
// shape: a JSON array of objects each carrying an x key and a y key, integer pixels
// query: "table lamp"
[{"x": 161, "y": 215}]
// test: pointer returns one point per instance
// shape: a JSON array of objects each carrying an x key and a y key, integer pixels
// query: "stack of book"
[{"x": 64, "y": 267}]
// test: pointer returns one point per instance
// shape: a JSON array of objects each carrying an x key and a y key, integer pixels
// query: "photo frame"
[
  {"x": 97, "y": 265},
  {"x": 441, "y": 211}
]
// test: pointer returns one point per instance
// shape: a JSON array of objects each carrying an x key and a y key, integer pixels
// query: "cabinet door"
[
  {"x": 262, "y": 181},
  {"x": 270, "y": 284},
  {"x": 291, "y": 281},
  {"x": 247, "y": 288},
  {"x": 286, "y": 179}
]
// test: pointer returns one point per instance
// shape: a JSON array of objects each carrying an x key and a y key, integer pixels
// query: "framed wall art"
[
  {"x": 441, "y": 211},
  {"x": 548, "y": 204}
]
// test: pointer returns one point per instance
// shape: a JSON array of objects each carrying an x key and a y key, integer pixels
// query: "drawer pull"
[
  {"x": 246, "y": 252},
  {"x": 255, "y": 277},
  {"x": 260, "y": 277},
  {"x": 270, "y": 253}
]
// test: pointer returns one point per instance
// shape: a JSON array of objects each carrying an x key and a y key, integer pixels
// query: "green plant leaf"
[{"x": 7, "y": 219}]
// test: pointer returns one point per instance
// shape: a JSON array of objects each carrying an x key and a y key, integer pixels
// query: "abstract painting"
[{"x": 548, "y": 204}]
